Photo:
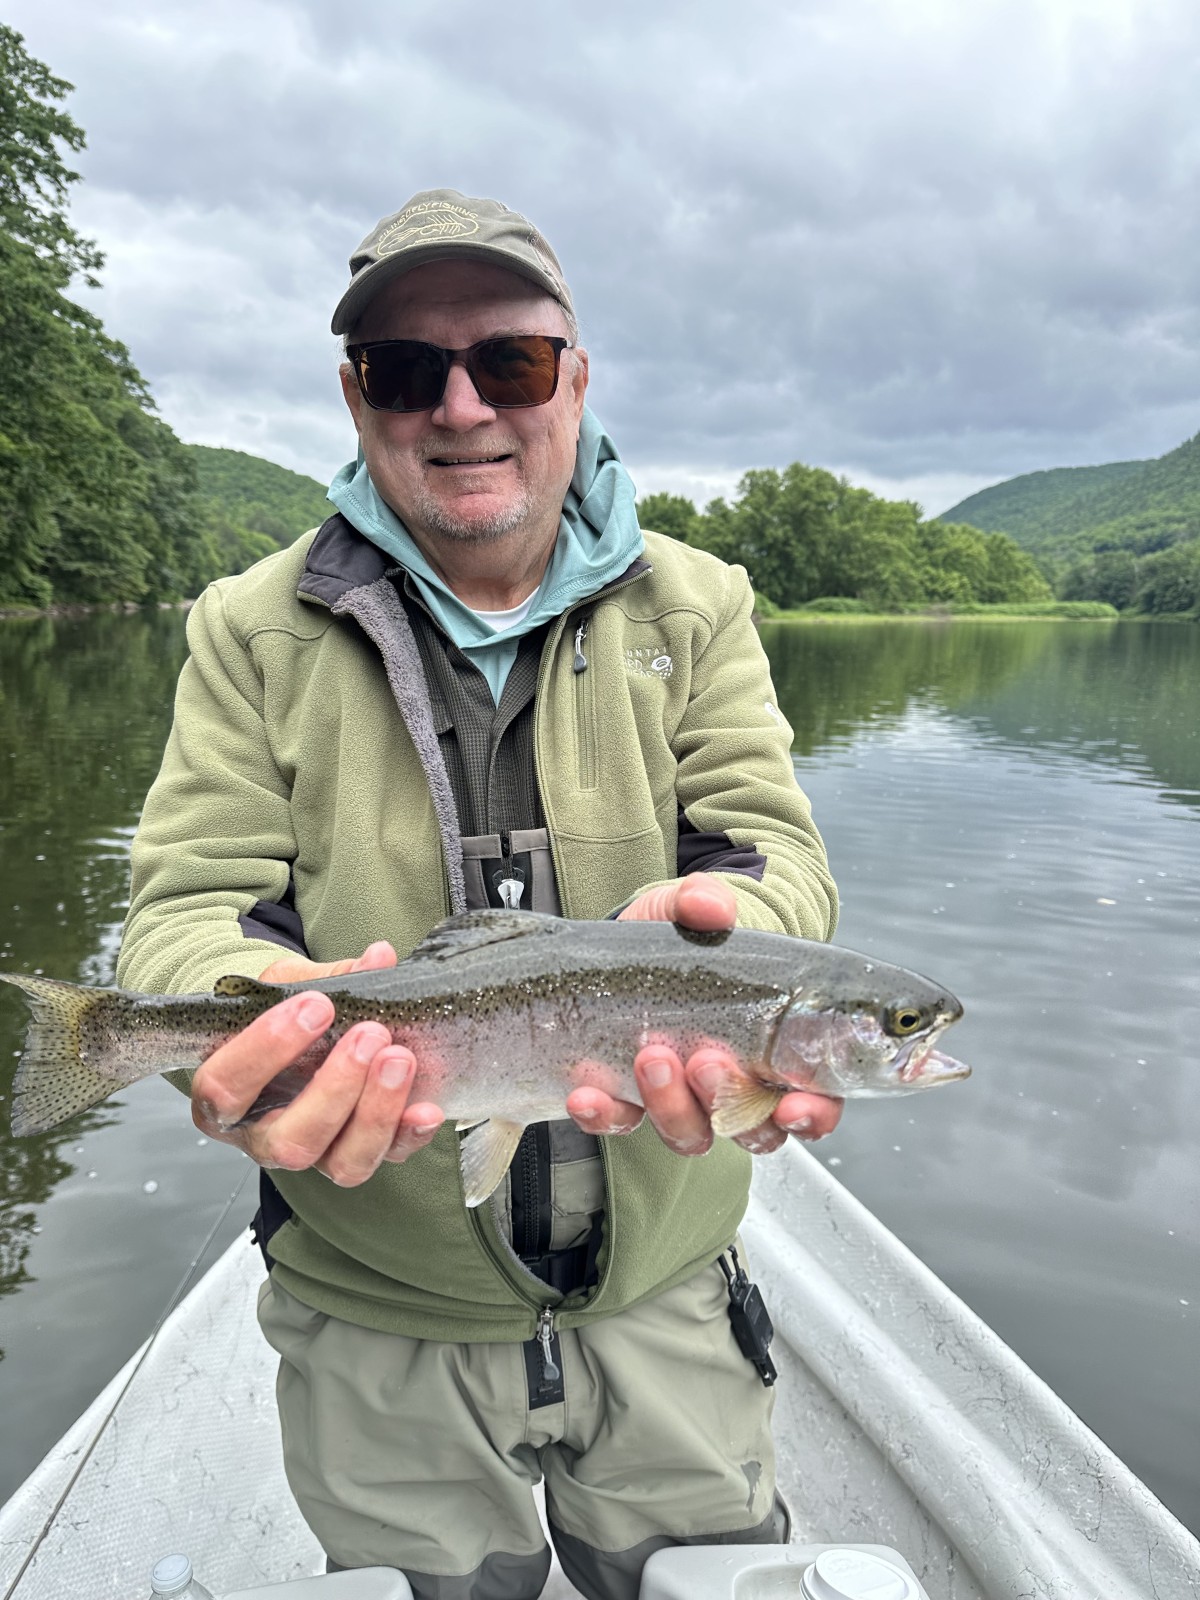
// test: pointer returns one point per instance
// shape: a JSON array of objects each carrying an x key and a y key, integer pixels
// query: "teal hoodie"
[{"x": 598, "y": 536}]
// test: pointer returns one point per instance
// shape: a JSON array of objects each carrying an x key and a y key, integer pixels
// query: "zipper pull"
[
  {"x": 580, "y": 633},
  {"x": 510, "y": 880},
  {"x": 545, "y": 1333}
]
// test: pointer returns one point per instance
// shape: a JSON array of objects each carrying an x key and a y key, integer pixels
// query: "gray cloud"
[{"x": 924, "y": 244}]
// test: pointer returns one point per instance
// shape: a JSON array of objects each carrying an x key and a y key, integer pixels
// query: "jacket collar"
[{"x": 340, "y": 559}]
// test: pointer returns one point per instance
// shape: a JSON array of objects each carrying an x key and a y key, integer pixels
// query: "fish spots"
[{"x": 596, "y": 1075}]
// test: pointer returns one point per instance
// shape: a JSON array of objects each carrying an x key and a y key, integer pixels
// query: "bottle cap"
[
  {"x": 856, "y": 1575},
  {"x": 170, "y": 1575}
]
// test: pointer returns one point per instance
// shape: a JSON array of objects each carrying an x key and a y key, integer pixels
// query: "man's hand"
[
  {"x": 354, "y": 1113},
  {"x": 678, "y": 1096}
]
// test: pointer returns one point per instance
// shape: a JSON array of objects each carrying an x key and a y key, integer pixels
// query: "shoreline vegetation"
[
  {"x": 835, "y": 610},
  {"x": 103, "y": 506},
  {"x": 817, "y": 612}
]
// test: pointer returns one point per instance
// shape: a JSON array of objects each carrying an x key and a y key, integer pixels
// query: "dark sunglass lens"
[
  {"x": 402, "y": 375},
  {"x": 521, "y": 371}
]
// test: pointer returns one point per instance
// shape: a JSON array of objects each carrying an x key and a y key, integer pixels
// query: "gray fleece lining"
[{"x": 377, "y": 609}]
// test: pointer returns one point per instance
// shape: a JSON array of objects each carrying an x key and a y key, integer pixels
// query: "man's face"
[{"x": 465, "y": 471}]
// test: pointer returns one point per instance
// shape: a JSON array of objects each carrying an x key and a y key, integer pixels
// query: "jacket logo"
[{"x": 648, "y": 663}]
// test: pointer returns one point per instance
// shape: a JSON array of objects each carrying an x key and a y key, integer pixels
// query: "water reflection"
[
  {"x": 993, "y": 801},
  {"x": 84, "y": 709},
  {"x": 1123, "y": 693}
]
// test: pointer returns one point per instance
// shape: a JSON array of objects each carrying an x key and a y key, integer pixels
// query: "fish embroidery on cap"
[{"x": 429, "y": 220}]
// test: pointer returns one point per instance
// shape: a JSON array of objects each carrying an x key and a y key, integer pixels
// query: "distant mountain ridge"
[
  {"x": 257, "y": 497},
  {"x": 1021, "y": 506},
  {"x": 1140, "y": 506}
]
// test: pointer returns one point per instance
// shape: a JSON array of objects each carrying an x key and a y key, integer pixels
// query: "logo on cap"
[{"x": 426, "y": 223}]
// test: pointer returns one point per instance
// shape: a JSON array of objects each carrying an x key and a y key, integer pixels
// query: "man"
[{"x": 479, "y": 684}]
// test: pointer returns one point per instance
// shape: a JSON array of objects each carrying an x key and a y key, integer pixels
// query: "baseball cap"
[{"x": 441, "y": 225}]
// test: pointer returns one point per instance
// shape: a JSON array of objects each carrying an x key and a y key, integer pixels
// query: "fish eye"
[{"x": 903, "y": 1020}]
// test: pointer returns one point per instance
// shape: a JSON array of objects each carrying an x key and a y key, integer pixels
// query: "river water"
[{"x": 1011, "y": 807}]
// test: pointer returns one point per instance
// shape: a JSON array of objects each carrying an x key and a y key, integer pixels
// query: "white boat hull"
[{"x": 902, "y": 1420}]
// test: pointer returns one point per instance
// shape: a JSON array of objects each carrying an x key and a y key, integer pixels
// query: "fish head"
[{"x": 872, "y": 1038}]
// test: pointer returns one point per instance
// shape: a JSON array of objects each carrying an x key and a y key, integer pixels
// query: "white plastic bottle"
[{"x": 173, "y": 1576}]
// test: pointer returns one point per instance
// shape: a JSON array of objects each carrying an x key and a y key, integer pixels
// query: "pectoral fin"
[
  {"x": 485, "y": 1156},
  {"x": 743, "y": 1103}
]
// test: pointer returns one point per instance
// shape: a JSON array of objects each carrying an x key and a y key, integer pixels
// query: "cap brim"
[{"x": 365, "y": 285}]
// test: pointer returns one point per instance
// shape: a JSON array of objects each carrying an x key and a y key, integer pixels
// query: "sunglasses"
[{"x": 517, "y": 369}]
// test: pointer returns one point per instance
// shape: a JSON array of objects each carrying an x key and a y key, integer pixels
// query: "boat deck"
[{"x": 902, "y": 1420}]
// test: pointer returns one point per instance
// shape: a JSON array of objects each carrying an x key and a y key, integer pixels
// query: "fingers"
[
  {"x": 308, "y": 1132},
  {"x": 228, "y": 1083},
  {"x": 352, "y": 1115},
  {"x": 808, "y": 1116},
  {"x": 417, "y": 1127},
  {"x": 678, "y": 1099},
  {"x": 299, "y": 969},
  {"x": 366, "y": 1134},
  {"x": 597, "y": 1112},
  {"x": 377, "y": 955},
  {"x": 671, "y": 1104},
  {"x": 698, "y": 901}
]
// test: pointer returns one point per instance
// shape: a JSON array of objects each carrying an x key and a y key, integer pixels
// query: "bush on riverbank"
[{"x": 809, "y": 538}]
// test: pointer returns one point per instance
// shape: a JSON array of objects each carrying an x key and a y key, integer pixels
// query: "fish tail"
[{"x": 52, "y": 1081}]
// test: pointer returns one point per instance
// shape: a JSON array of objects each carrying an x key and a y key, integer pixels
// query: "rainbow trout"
[{"x": 507, "y": 1011}]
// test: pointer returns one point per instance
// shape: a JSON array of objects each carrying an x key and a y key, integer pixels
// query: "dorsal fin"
[
  {"x": 472, "y": 930},
  {"x": 237, "y": 984}
]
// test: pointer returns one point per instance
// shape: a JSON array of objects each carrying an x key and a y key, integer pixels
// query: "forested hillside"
[
  {"x": 251, "y": 506},
  {"x": 804, "y": 534},
  {"x": 1027, "y": 507},
  {"x": 99, "y": 500},
  {"x": 1130, "y": 536}
]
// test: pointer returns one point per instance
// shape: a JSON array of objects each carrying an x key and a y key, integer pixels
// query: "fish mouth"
[{"x": 919, "y": 1065}]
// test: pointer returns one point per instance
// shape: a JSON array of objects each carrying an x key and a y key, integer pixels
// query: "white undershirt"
[{"x": 499, "y": 620}]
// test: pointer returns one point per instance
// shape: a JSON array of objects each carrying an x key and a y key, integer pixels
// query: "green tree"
[
  {"x": 95, "y": 492},
  {"x": 804, "y": 534},
  {"x": 1105, "y": 575},
  {"x": 1169, "y": 580},
  {"x": 783, "y": 528},
  {"x": 672, "y": 514}
]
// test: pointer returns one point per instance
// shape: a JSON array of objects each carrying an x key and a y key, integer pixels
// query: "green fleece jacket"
[{"x": 301, "y": 756}]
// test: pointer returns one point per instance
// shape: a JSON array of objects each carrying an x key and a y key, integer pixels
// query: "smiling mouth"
[{"x": 468, "y": 461}]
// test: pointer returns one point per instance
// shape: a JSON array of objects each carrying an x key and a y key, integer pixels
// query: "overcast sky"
[{"x": 926, "y": 243}]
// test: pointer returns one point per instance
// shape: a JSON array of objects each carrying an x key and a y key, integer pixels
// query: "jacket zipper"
[
  {"x": 509, "y": 886},
  {"x": 545, "y": 1337},
  {"x": 585, "y": 711},
  {"x": 509, "y": 1269}
]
